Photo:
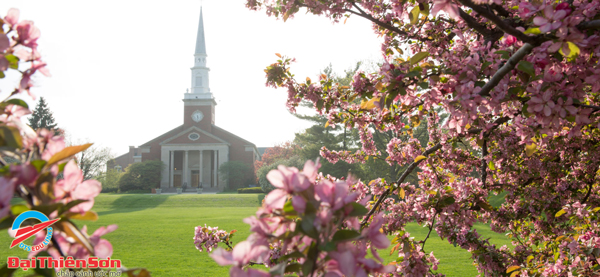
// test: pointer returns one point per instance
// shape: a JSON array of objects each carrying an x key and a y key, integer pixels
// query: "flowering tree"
[
  {"x": 278, "y": 152},
  {"x": 31, "y": 160},
  {"x": 519, "y": 82}
]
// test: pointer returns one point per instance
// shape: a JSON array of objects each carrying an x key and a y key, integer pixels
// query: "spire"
[
  {"x": 200, "y": 45},
  {"x": 200, "y": 83}
]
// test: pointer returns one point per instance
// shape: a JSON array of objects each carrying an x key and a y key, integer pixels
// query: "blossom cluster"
[
  {"x": 508, "y": 91},
  {"x": 309, "y": 225},
  {"x": 36, "y": 165},
  {"x": 209, "y": 237}
]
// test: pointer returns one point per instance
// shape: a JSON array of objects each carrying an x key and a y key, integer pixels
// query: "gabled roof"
[
  {"x": 225, "y": 131},
  {"x": 194, "y": 129},
  {"x": 164, "y": 136}
]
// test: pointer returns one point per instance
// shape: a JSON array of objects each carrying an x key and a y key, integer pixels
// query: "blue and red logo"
[{"x": 24, "y": 233}]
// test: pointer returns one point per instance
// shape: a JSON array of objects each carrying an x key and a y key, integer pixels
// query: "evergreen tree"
[{"x": 42, "y": 117}]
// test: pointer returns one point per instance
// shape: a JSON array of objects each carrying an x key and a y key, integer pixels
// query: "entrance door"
[
  {"x": 195, "y": 178},
  {"x": 177, "y": 180}
]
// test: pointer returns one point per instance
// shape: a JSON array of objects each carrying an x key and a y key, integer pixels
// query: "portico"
[{"x": 192, "y": 165}]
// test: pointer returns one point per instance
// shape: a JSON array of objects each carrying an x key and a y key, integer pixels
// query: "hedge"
[{"x": 250, "y": 190}]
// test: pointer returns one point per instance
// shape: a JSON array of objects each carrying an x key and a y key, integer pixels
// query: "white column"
[
  {"x": 200, "y": 168},
  {"x": 214, "y": 163},
  {"x": 171, "y": 168},
  {"x": 185, "y": 169},
  {"x": 164, "y": 174}
]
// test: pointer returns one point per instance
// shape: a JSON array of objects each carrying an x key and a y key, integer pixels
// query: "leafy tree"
[
  {"x": 339, "y": 137},
  {"x": 282, "y": 151},
  {"x": 93, "y": 161},
  {"x": 518, "y": 82},
  {"x": 236, "y": 174},
  {"x": 42, "y": 117},
  {"x": 142, "y": 176},
  {"x": 110, "y": 180}
]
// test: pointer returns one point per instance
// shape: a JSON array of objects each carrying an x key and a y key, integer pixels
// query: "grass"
[{"x": 156, "y": 231}]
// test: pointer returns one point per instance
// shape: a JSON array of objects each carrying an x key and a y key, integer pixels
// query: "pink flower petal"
[
  {"x": 547, "y": 111},
  {"x": 87, "y": 190},
  {"x": 103, "y": 249},
  {"x": 277, "y": 179},
  {"x": 12, "y": 17},
  {"x": 4, "y": 42},
  {"x": 310, "y": 170},
  {"x": 222, "y": 257},
  {"x": 538, "y": 20},
  {"x": 276, "y": 198},
  {"x": 299, "y": 203}
]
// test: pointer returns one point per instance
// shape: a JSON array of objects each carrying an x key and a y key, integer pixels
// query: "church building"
[{"x": 193, "y": 152}]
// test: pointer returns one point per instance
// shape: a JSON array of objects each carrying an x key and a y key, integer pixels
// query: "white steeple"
[{"x": 200, "y": 84}]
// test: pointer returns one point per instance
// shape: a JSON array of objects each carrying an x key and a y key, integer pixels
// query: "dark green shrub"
[
  {"x": 141, "y": 176},
  {"x": 237, "y": 174},
  {"x": 250, "y": 190}
]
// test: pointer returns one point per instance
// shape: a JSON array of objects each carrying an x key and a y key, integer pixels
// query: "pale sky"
[{"x": 120, "y": 68}]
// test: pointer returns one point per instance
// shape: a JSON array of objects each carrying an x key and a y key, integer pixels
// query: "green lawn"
[{"x": 156, "y": 231}]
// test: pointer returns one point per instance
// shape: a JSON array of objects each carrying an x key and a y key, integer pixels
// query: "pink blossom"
[
  {"x": 551, "y": 19},
  {"x": 447, "y": 6},
  {"x": 50, "y": 143},
  {"x": 102, "y": 248},
  {"x": 7, "y": 190},
  {"x": 28, "y": 33},
  {"x": 4, "y": 44},
  {"x": 238, "y": 272},
  {"x": 348, "y": 264},
  {"x": 24, "y": 174},
  {"x": 374, "y": 234},
  {"x": 242, "y": 254},
  {"x": 73, "y": 187},
  {"x": 543, "y": 103},
  {"x": 12, "y": 17},
  {"x": 208, "y": 237},
  {"x": 509, "y": 40},
  {"x": 288, "y": 179},
  {"x": 25, "y": 55},
  {"x": 335, "y": 195}
]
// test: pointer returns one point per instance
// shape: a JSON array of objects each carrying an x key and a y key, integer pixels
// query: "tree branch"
[
  {"x": 483, "y": 163},
  {"x": 388, "y": 26},
  {"x": 497, "y": 123},
  {"x": 594, "y": 24},
  {"x": 587, "y": 106},
  {"x": 590, "y": 186},
  {"x": 472, "y": 22},
  {"x": 399, "y": 181},
  {"x": 504, "y": 26},
  {"x": 506, "y": 68},
  {"x": 429, "y": 233}
]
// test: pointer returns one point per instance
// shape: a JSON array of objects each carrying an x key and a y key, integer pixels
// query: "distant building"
[{"x": 193, "y": 152}]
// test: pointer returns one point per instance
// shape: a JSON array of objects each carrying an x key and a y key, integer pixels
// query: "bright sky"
[{"x": 120, "y": 68}]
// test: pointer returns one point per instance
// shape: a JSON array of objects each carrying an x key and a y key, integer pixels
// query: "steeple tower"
[
  {"x": 200, "y": 83},
  {"x": 199, "y": 103}
]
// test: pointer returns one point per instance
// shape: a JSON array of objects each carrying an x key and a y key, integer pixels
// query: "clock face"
[{"x": 197, "y": 116}]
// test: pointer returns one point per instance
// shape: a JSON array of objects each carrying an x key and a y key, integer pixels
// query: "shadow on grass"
[{"x": 132, "y": 203}]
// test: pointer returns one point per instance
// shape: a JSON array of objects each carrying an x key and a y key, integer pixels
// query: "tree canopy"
[
  {"x": 518, "y": 83},
  {"x": 42, "y": 117}
]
